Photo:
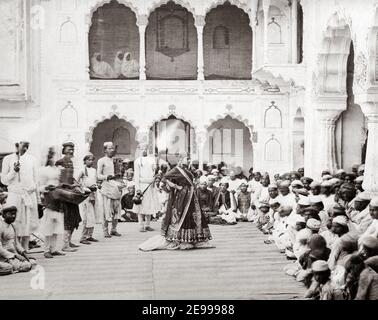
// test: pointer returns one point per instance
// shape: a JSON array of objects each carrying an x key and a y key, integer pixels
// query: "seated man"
[{"x": 12, "y": 255}]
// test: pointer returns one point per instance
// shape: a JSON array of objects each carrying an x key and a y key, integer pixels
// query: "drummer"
[
  {"x": 110, "y": 207},
  {"x": 71, "y": 211}
]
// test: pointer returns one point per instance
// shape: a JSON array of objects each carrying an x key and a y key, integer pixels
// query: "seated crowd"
[{"x": 327, "y": 229}]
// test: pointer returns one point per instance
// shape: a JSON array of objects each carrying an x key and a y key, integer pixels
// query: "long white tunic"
[
  {"x": 144, "y": 172},
  {"x": 22, "y": 192}
]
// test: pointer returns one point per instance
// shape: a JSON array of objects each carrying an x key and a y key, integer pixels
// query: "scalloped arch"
[
  {"x": 182, "y": 3},
  {"x": 237, "y": 3},
  {"x": 333, "y": 54},
  {"x": 233, "y": 116},
  {"x": 99, "y": 3},
  {"x": 178, "y": 116},
  {"x": 89, "y": 132}
]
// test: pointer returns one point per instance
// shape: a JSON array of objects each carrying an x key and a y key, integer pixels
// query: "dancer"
[{"x": 184, "y": 225}]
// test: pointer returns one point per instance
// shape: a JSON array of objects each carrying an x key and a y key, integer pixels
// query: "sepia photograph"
[{"x": 212, "y": 151}]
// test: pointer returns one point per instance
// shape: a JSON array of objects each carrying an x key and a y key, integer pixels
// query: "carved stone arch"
[
  {"x": 68, "y": 32},
  {"x": 278, "y": 113},
  {"x": 69, "y": 117},
  {"x": 372, "y": 59},
  {"x": 99, "y": 3},
  {"x": 272, "y": 150},
  {"x": 89, "y": 132},
  {"x": 299, "y": 112},
  {"x": 240, "y": 4},
  {"x": 182, "y": 3},
  {"x": 333, "y": 55},
  {"x": 170, "y": 113},
  {"x": 233, "y": 116}
]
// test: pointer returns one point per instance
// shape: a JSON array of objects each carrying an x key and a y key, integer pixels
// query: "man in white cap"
[
  {"x": 233, "y": 181},
  {"x": 361, "y": 170},
  {"x": 360, "y": 215},
  {"x": 358, "y": 183},
  {"x": 286, "y": 197},
  {"x": 110, "y": 204},
  {"x": 19, "y": 174},
  {"x": 372, "y": 229},
  {"x": 322, "y": 287},
  {"x": 327, "y": 197},
  {"x": 145, "y": 167}
]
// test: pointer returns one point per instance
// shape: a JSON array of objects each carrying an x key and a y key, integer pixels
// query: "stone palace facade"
[{"x": 269, "y": 84}]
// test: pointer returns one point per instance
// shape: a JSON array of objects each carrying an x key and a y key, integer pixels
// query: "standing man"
[
  {"x": 19, "y": 174},
  {"x": 109, "y": 192},
  {"x": 144, "y": 167},
  {"x": 71, "y": 211}
]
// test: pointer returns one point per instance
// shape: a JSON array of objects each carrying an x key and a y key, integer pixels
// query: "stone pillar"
[
  {"x": 266, "y": 6},
  {"x": 200, "y": 23},
  {"x": 370, "y": 184},
  {"x": 200, "y": 141},
  {"x": 294, "y": 34},
  {"x": 326, "y": 138},
  {"x": 252, "y": 23},
  {"x": 142, "y": 24}
]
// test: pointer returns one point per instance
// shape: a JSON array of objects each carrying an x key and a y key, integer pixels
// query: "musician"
[
  {"x": 111, "y": 206},
  {"x": 19, "y": 174},
  {"x": 71, "y": 211},
  {"x": 87, "y": 177}
]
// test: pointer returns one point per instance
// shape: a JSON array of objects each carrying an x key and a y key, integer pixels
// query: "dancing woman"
[{"x": 184, "y": 225}]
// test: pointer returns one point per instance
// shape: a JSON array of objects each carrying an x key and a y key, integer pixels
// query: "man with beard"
[
  {"x": 71, "y": 211},
  {"x": 109, "y": 192},
  {"x": 19, "y": 174},
  {"x": 358, "y": 183}
]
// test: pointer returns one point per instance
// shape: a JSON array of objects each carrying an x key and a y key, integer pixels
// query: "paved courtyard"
[{"x": 240, "y": 267}]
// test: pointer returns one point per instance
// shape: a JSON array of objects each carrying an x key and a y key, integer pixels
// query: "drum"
[
  {"x": 112, "y": 189},
  {"x": 69, "y": 195}
]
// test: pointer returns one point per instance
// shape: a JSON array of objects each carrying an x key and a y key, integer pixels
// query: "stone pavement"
[{"x": 240, "y": 267}]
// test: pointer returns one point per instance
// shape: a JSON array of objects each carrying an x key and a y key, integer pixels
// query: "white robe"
[
  {"x": 130, "y": 68},
  {"x": 101, "y": 69},
  {"x": 22, "y": 192}
]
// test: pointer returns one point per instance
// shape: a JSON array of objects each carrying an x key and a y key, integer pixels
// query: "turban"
[
  {"x": 313, "y": 224},
  {"x": 361, "y": 167},
  {"x": 272, "y": 186},
  {"x": 327, "y": 183},
  {"x": 363, "y": 196},
  {"x": 274, "y": 201},
  {"x": 214, "y": 171},
  {"x": 334, "y": 181},
  {"x": 314, "y": 184},
  {"x": 348, "y": 186},
  {"x": 210, "y": 177},
  {"x": 203, "y": 179},
  {"x": 284, "y": 184},
  {"x": 300, "y": 219},
  {"x": 316, "y": 199},
  {"x": 130, "y": 170},
  {"x": 285, "y": 209},
  {"x": 370, "y": 242},
  {"x": 9, "y": 209},
  {"x": 340, "y": 171},
  {"x": 302, "y": 191},
  {"x": 319, "y": 266},
  {"x": 307, "y": 179},
  {"x": 359, "y": 179},
  {"x": 304, "y": 201},
  {"x": 263, "y": 204},
  {"x": 297, "y": 183},
  {"x": 304, "y": 234},
  {"x": 327, "y": 177},
  {"x": 342, "y": 220},
  {"x": 126, "y": 160},
  {"x": 68, "y": 144},
  {"x": 88, "y": 156},
  {"x": 311, "y": 210},
  {"x": 108, "y": 144},
  {"x": 374, "y": 202}
]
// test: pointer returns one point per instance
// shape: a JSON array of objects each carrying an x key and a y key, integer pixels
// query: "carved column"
[
  {"x": 200, "y": 141},
  {"x": 266, "y": 6},
  {"x": 142, "y": 24},
  {"x": 294, "y": 34},
  {"x": 200, "y": 23},
  {"x": 252, "y": 23},
  {"x": 370, "y": 184},
  {"x": 326, "y": 139}
]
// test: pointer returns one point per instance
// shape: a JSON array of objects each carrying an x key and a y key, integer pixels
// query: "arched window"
[
  {"x": 68, "y": 32},
  {"x": 121, "y": 140},
  {"x": 114, "y": 43},
  {"x": 274, "y": 32},
  {"x": 221, "y": 38},
  {"x": 273, "y": 150},
  {"x": 68, "y": 117},
  {"x": 222, "y": 141},
  {"x": 273, "y": 117}
]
